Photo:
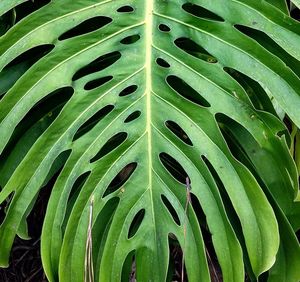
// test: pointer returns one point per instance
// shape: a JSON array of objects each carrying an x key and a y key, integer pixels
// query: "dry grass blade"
[{"x": 89, "y": 270}]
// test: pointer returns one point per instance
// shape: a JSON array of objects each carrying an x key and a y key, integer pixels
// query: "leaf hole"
[
  {"x": 17, "y": 67},
  {"x": 175, "y": 260},
  {"x": 226, "y": 125},
  {"x": 201, "y": 12},
  {"x": 171, "y": 209},
  {"x": 97, "y": 82},
  {"x": 102, "y": 224},
  {"x": 125, "y": 9},
  {"x": 295, "y": 14},
  {"x": 164, "y": 28},
  {"x": 7, "y": 21},
  {"x": 38, "y": 207},
  {"x": 120, "y": 179},
  {"x": 13, "y": 16},
  {"x": 253, "y": 89},
  {"x": 41, "y": 115},
  {"x": 99, "y": 64},
  {"x": 268, "y": 43},
  {"x": 129, "y": 267},
  {"x": 161, "y": 62},
  {"x": 213, "y": 264},
  {"x": 135, "y": 115},
  {"x": 57, "y": 166},
  {"x": 213, "y": 172},
  {"x": 179, "y": 132},
  {"x": 198, "y": 210},
  {"x": 130, "y": 39},
  {"x": 33, "y": 55},
  {"x": 52, "y": 100},
  {"x": 186, "y": 91},
  {"x": 29, "y": 7},
  {"x": 74, "y": 193},
  {"x": 173, "y": 167},
  {"x": 92, "y": 122},
  {"x": 240, "y": 141},
  {"x": 136, "y": 223},
  {"x": 191, "y": 47},
  {"x": 78, "y": 184},
  {"x": 128, "y": 90},
  {"x": 85, "y": 27},
  {"x": 110, "y": 145}
]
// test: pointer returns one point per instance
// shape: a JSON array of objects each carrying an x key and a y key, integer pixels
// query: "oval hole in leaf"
[
  {"x": 175, "y": 259},
  {"x": 97, "y": 82},
  {"x": 110, "y": 145},
  {"x": 171, "y": 209},
  {"x": 164, "y": 28},
  {"x": 213, "y": 172},
  {"x": 86, "y": 27},
  {"x": 161, "y": 62},
  {"x": 125, "y": 9},
  {"x": 92, "y": 122},
  {"x": 133, "y": 116},
  {"x": 186, "y": 91},
  {"x": 179, "y": 132},
  {"x": 128, "y": 90},
  {"x": 136, "y": 223},
  {"x": 191, "y": 47},
  {"x": 99, "y": 64},
  {"x": 129, "y": 267},
  {"x": 201, "y": 12},
  {"x": 120, "y": 179},
  {"x": 130, "y": 39},
  {"x": 174, "y": 168},
  {"x": 55, "y": 98},
  {"x": 198, "y": 210}
]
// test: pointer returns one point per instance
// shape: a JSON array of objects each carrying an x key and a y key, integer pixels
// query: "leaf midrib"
[{"x": 149, "y": 13}]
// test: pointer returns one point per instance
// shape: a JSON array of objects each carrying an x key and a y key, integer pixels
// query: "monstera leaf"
[{"x": 160, "y": 121}]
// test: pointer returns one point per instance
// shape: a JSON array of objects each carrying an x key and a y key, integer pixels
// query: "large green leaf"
[{"x": 128, "y": 101}]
